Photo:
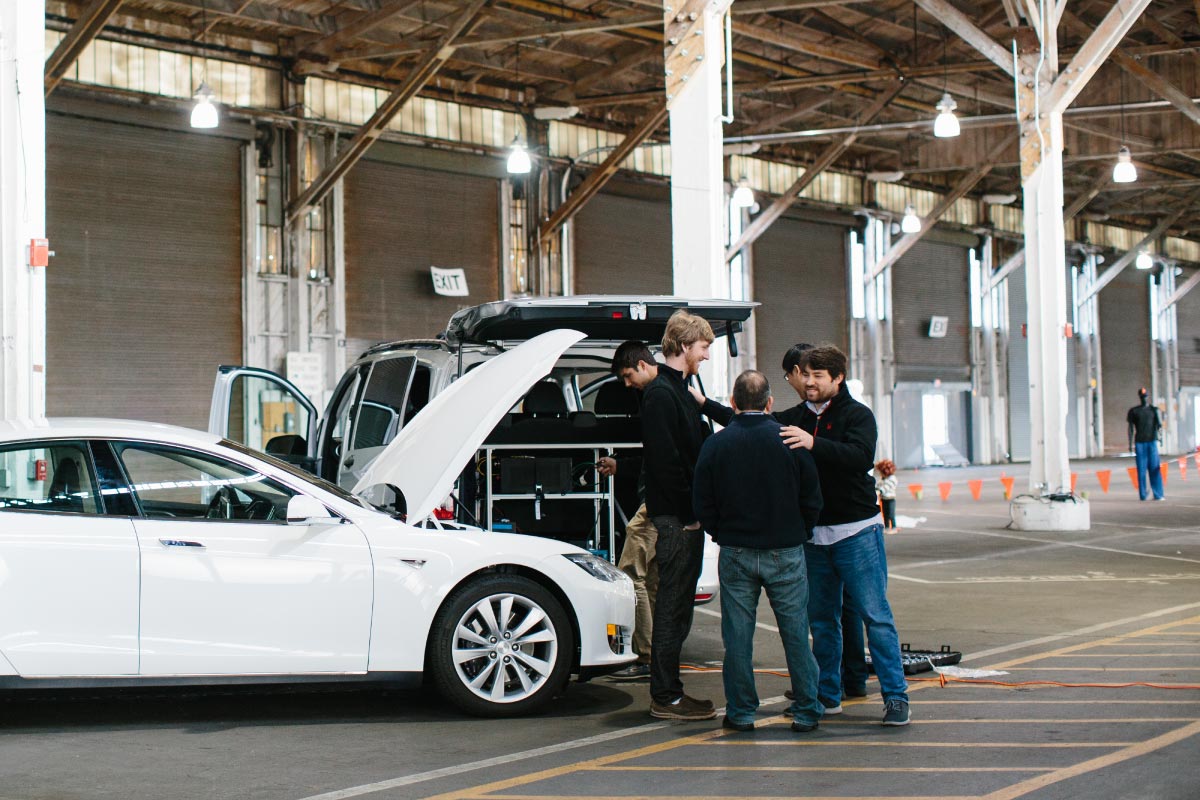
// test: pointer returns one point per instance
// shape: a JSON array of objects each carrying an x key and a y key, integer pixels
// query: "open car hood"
[{"x": 427, "y": 456}]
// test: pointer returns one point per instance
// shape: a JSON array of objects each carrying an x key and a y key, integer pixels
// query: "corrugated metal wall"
[
  {"x": 623, "y": 245},
  {"x": 144, "y": 294},
  {"x": 1124, "y": 351},
  {"x": 800, "y": 277},
  {"x": 400, "y": 221},
  {"x": 1187, "y": 316},
  {"x": 932, "y": 280}
]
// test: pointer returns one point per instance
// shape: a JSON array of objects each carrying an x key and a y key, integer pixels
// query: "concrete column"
[
  {"x": 695, "y": 47},
  {"x": 22, "y": 209},
  {"x": 1041, "y": 146},
  {"x": 879, "y": 377}
]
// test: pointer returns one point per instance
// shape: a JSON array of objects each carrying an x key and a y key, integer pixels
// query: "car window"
[
  {"x": 171, "y": 482},
  {"x": 48, "y": 476},
  {"x": 262, "y": 410},
  {"x": 383, "y": 402}
]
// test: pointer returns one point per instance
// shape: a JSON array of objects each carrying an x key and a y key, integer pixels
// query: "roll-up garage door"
[
  {"x": 1187, "y": 319},
  {"x": 931, "y": 280},
  {"x": 143, "y": 296},
  {"x": 800, "y": 278},
  {"x": 400, "y": 221},
  {"x": 623, "y": 246},
  {"x": 1124, "y": 351}
]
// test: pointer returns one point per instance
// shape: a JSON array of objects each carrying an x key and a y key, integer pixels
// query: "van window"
[{"x": 383, "y": 402}]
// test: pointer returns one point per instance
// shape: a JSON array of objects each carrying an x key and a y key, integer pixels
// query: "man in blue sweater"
[{"x": 759, "y": 501}]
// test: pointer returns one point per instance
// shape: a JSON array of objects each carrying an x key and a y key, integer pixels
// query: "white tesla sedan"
[{"x": 141, "y": 554}]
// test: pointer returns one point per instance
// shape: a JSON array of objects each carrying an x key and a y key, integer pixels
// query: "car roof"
[{"x": 100, "y": 428}]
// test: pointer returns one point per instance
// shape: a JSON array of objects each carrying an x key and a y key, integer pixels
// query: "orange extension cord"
[{"x": 943, "y": 680}]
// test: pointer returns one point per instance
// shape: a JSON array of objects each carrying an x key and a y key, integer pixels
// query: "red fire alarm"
[
  {"x": 39, "y": 252},
  {"x": 39, "y": 469},
  {"x": 1069, "y": 331}
]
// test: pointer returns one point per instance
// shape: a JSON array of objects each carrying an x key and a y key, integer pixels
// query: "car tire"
[{"x": 524, "y": 643}]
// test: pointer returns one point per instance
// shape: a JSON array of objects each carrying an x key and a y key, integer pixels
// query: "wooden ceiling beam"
[
  {"x": 746, "y": 7},
  {"x": 602, "y": 174},
  {"x": 87, "y": 27},
  {"x": 759, "y": 225},
  {"x": 966, "y": 29},
  {"x": 965, "y": 184},
  {"x": 362, "y": 24},
  {"x": 1095, "y": 51},
  {"x": 237, "y": 10},
  {"x": 418, "y": 76},
  {"x": 790, "y": 41}
]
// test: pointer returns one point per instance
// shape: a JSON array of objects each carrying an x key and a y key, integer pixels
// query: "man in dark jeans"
[
  {"x": 672, "y": 434},
  {"x": 846, "y": 558},
  {"x": 759, "y": 501}
]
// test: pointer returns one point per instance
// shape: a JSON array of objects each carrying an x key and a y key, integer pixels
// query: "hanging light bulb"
[
  {"x": 743, "y": 195},
  {"x": 911, "y": 222},
  {"x": 946, "y": 124},
  {"x": 204, "y": 113},
  {"x": 1124, "y": 171},
  {"x": 1144, "y": 260},
  {"x": 518, "y": 160}
]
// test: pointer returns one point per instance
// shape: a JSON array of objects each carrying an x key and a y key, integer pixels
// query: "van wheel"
[{"x": 500, "y": 646}]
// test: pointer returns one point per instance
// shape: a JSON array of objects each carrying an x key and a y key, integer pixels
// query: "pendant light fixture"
[
  {"x": 1124, "y": 171},
  {"x": 911, "y": 222},
  {"x": 945, "y": 126},
  {"x": 204, "y": 113},
  {"x": 1144, "y": 260},
  {"x": 519, "y": 162},
  {"x": 743, "y": 195}
]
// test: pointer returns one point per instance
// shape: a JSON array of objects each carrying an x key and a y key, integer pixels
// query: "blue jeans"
[
  {"x": 857, "y": 566},
  {"x": 854, "y": 645},
  {"x": 745, "y": 572},
  {"x": 1147, "y": 461}
]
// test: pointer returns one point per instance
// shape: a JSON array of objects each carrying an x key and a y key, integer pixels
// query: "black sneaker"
[
  {"x": 634, "y": 672},
  {"x": 800, "y": 727},
  {"x": 854, "y": 692},
  {"x": 895, "y": 712},
  {"x": 737, "y": 726},
  {"x": 685, "y": 708},
  {"x": 789, "y": 694}
]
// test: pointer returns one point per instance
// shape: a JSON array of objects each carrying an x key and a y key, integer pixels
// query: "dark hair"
[
  {"x": 1143, "y": 393},
  {"x": 791, "y": 359},
  {"x": 629, "y": 354},
  {"x": 751, "y": 391},
  {"x": 826, "y": 357}
]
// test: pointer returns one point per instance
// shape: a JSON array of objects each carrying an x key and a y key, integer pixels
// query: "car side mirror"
[{"x": 303, "y": 509}]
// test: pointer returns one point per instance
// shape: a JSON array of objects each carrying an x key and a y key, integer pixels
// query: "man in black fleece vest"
[
  {"x": 759, "y": 501},
  {"x": 846, "y": 554}
]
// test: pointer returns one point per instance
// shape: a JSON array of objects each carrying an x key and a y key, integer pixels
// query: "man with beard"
[
  {"x": 672, "y": 434},
  {"x": 846, "y": 553}
]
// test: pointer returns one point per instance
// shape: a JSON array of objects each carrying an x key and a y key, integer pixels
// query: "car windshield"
[{"x": 296, "y": 472}]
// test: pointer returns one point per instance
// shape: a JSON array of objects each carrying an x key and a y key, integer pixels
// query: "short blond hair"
[{"x": 684, "y": 329}]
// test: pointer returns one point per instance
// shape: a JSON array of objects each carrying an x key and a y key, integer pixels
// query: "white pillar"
[
  {"x": 22, "y": 209},
  {"x": 1041, "y": 146},
  {"x": 695, "y": 47}
]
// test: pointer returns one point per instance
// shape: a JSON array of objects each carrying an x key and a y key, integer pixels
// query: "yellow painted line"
[
  {"x": 821, "y": 769},
  {"x": 1097, "y": 643},
  {"x": 707, "y": 797},
  {"x": 1128, "y": 655},
  {"x": 567, "y": 769},
  {"x": 1060, "y": 702},
  {"x": 1100, "y": 762},
  {"x": 1157, "y": 643},
  {"x": 1028, "y": 745}
]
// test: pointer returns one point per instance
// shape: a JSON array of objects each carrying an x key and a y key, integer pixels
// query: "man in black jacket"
[
  {"x": 672, "y": 434},
  {"x": 846, "y": 552},
  {"x": 759, "y": 501},
  {"x": 1144, "y": 427}
]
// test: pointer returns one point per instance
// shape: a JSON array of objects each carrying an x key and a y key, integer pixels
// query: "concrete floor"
[{"x": 1118, "y": 604}]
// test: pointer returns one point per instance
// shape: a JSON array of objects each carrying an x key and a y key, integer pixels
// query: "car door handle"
[
  {"x": 179, "y": 543},
  {"x": 349, "y": 461}
]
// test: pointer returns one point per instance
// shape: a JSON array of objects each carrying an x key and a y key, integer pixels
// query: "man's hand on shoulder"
[
  {"x": 795, "y": 437},
  {"x": 696, "y": 394}
]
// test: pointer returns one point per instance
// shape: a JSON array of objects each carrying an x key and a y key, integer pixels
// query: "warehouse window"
[
  {"x": 518, "y": 240},
  {"x": 268, "y": 242},
  {"x": 858, "y": 300}
]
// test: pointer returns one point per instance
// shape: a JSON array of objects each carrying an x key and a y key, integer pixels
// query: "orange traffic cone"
[
  {"x": 915, "y": 489},
  {"x": 1133, "y": 476},
  {"x": 1074, "y": 480},
  {"x": 1008, "y": 484},
  {"x": 944, "y": 490},
  {"x": 976, "y": 488},
  {"x": 1104, "y": 476}
]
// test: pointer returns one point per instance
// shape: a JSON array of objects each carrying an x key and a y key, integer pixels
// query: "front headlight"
[{"x": 596, "y": 567}]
